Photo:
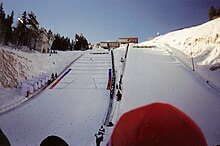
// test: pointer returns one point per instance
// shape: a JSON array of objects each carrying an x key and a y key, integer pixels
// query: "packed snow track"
[{"x": 73, "y": 109}]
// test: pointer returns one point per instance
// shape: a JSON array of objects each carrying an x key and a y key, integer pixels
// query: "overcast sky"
[{"x": 101, "y": 20}]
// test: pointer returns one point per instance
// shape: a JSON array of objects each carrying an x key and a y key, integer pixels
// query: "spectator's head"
[
  {"x": 156, "y": 124},
  {"x": 53, "y": 141}
]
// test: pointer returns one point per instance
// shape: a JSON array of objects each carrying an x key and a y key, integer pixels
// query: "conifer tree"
[
  {"x": 218, "y": 12},
  {"x": 81, "y": 42},
  {"x": 8, "y": 28},
  {"x": 21, "y": 30},
  {"x": 2, "y": 23},
  {"x": 212, "y": 13},
  {"x": 61, "y": 43}
]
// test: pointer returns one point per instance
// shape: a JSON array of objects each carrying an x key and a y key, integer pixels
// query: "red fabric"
[
  {"x": 157, "y": 124},
  {"x": 109, "y": 84}
]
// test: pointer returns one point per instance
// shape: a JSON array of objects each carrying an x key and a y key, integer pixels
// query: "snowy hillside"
[
  {"x": 200, "y": 42},
  {"x": 204, "y": 40},
  {"x": 17, "y": 66}
]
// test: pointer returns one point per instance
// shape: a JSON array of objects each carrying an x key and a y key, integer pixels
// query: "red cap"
[{"x": 157, "y": 124}]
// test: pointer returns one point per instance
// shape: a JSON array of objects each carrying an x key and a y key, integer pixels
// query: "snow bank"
[
  {"x": 17, "y": 65},
  {"x": 203, "y": 41},
  {"x": 13, "y": 68}
]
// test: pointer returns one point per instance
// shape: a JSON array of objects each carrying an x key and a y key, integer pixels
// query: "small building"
[
  {"x": 42, "y": 41},
  {"x": 104, "y": 45},
  {"x": 32, "y": 26},
  {"x": 128, "y": 40},
  {"x": 107, "y": 45},
  {"x": 38, "y": 39},
  {"x": 116, "y": 44},
  {"x": 51, "y": 38},
  {"x": 113, "y": 44}
]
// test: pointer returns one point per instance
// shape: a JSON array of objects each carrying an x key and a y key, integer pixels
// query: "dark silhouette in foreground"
[
  {"x": 3, "y": 139},
  {"x": 53, "y": 141}
]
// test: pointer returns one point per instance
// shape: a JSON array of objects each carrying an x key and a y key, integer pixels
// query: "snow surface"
[
  {"x": 161, "y": 72},
  {"x": 73, "y": 110},
  {"x": 76, "y": 107},
  {"x": 154, "y": 75},
  {"x": 18, "y": 66}
]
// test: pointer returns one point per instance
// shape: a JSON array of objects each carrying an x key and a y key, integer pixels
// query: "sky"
[{"x": 103, "y": 20}]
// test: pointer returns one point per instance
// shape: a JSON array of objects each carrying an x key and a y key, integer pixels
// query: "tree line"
[
  {"x": 65, "y": 43},
  {"x": 62, "y": 43},
  {"x": 19, "y": 35},
  {"x": 81, "y": 42},
  {"x": 6, "y": 26},
  {"x": 214, "y": 13}
]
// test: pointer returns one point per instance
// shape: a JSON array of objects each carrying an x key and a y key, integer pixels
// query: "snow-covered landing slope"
[{"x": 154, "y": 75}]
